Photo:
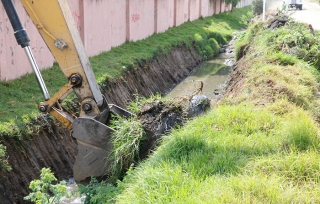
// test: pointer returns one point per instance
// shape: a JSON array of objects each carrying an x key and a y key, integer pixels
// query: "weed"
[
  {"x": 43, "y": 191},
  {"x": 301, "y": 134},
  {"x": 126, "y": 141},
  {"x": 257, "y": 6},
  {"x": 98, "y": 192},
  {"x": 4, "y": 165}
]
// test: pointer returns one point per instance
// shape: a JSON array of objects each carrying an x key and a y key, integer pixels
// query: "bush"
[
  {"x": 43, "y": 191},
  {"x": 98, "y": 192},
  {"x": 257, "y": 7}
]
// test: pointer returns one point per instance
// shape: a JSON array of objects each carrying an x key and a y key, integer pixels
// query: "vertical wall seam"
[
  {"x": 189, "y": 12},
  {"x": 155, "y": 16},
  {"x": 200, "y": 8},
  {"x": 175, "y": 13},
  {"x": 128, "y": 20},
  {"x": 82, "y": 29}
]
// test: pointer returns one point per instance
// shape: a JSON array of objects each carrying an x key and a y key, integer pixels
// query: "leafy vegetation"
[
  {"x": 257, "y": 7},
  {"x": 44, "y": 191},
  {"x": 98, "y": 192},
  {"x": 4, "y": 165}
]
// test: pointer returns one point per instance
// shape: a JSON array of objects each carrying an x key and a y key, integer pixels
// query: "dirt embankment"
[{"x": 55, "y": 148}]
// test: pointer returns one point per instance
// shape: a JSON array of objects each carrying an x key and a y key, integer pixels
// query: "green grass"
[
  {"x": 126, "y": 141},
  {"x": 235, "y": 154},
  {"x": 260, "y": 147}
]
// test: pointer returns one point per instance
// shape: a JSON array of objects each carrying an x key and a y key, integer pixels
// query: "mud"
[
  {"x": 53, "y": 145},
  {"x": 158, "y": 118}
]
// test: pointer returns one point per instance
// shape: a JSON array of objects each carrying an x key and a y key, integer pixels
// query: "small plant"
[
  {"x": 98, "y": 192},
  {"x": 4, "y": 165},
  {"x": 43, "y": 191},
  {"x": 135, "y": 106}
]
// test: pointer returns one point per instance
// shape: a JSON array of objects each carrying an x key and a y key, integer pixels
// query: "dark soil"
[
  {"x": 159, "y": 118},
  {"x": 53, "y": 145}
]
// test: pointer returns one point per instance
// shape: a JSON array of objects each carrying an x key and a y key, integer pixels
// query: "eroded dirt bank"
[{"x": 55, "y": 148}]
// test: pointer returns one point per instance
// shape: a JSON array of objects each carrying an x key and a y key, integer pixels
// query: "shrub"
[
  {"x": 43, "y": 191},
  {"x": 257, "y": 7}
]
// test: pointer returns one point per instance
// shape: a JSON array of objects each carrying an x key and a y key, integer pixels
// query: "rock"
[
  {"x": 198, "y": 105},
  {"x": 230, "y": 62},
  {"x": 222, "y": 50},
  {"x": 158, "y": 118}
]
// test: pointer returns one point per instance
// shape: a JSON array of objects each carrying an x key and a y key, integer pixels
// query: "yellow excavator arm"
[{"x": 56, "y": 25}]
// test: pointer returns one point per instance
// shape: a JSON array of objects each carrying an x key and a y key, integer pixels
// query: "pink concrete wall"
[
  {"x": 204, "y": 8},
  {"x": 218, "y": 7},
  {"x": 117, "y": 13},
  {"x": 75, "y": 9},
  {"x": 102, "y": 24},
  {"x": 164, "y": 15},
  {"x": 194, "y": 9},
  {"x": 97, "y": 23},
  {"x": 141, "y": 19},
  {"x": 222, "y": 7},
  {"x": 244, "y": 3},
  {"x": 230, "y": 7},
  {"x": 182, "y": 11},
  {"x": 211, "y": 9},
  {"x": 13, "y": 61}
]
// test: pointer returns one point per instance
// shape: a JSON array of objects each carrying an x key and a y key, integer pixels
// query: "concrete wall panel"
[
  {"x": 211, "y": 9},
  {"x": 141, "y": 19},
  {"x": 218, "y": 7},
  {"x": 204, "y": 8},
  {"x": 182, "y": 11},
  {"x": 76, "y": 10},
  {"x": 13, "y": 60},
  {"x": 116, "y": 11},
  {"x": 222, "y": 7},
  {"x": 164, "y": 15},
  {"x": 97, "y": 22},
  {"x": 194, "y": 9},
  {"x": 244, "y": 3}
]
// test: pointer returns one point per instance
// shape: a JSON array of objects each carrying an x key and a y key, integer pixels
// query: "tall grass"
[
  {"x": 126, "y": 141},
  {"x": 235, "y": 154}
]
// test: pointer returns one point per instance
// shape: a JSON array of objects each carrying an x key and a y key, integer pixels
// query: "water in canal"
[{"x": 214, "y": 74}]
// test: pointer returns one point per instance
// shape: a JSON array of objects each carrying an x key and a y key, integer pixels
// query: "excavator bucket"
[{"x": 94, "y": 143}]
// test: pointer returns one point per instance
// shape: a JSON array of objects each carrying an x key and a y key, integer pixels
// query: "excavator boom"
[{"x": 55, "y": 24}]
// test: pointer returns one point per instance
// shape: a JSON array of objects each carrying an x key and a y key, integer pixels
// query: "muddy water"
[{"x": 213, "y": 74}]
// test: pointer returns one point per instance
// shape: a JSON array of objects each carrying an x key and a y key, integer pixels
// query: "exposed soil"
[
  {"x": 159, "y": 118},
  {"x": 55, "y": 148},
  {"x": 237, "y": 81}
]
